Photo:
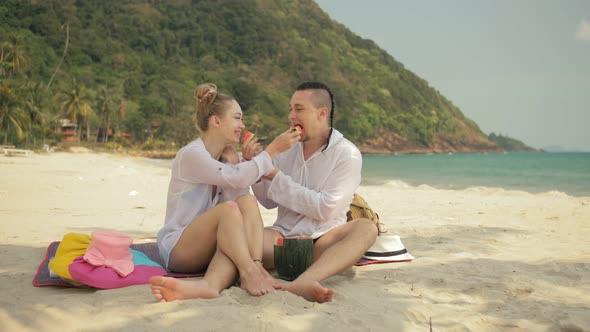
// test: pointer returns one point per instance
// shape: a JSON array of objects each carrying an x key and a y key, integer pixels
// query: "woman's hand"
[
  {"x": 251, "y": 148},
  {"x": 283, "y": 142},
  {"x": 230, "y": 155}
]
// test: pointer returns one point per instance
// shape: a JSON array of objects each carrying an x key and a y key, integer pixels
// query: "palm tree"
[
  {"x": 11, "y": 115},
  {"x": 67, "y": 25},
  {"x": 120, "y": 116},
  {"x": 106, "y": 113},
  {"x": 12, "y": 56},
  {"x": 85, "y": 112},
  {"x": 72, "y": 106},
  {"x": 35, "y": 106}
]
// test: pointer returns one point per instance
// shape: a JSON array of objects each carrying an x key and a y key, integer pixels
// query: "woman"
[{"x": 211, "y": 219}]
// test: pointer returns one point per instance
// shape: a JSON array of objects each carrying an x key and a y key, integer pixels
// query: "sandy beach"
[{"x": 487, "y": 259}]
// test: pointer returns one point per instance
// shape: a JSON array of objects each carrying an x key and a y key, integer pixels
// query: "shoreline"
[
  {"x": 364, "y": 148},
  {"x": 168, "y": 155},
  {"x": 486, "y": 259}
]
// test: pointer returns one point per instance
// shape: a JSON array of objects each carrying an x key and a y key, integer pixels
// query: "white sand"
[{"x": 487, "y": 259}]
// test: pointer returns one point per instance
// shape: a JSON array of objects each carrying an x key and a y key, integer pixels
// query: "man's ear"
[{"x": 323, "y": 114}]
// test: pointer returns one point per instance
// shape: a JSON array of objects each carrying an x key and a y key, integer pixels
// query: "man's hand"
[{"x": 271, "y": 175}]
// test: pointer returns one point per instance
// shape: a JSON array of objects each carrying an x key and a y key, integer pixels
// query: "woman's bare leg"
[
  {"x": 254, "y": 228},
  {"x": 220, "y": 274},
  {"x": 220, "y": 227},
  {"x": 232, "y": 242}
]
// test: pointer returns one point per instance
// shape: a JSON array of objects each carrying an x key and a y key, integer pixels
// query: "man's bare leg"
[
  {"x": 220, "y": 274},
  {"x": 335, "y": 251},
  {"x": 268, "y": 258}
]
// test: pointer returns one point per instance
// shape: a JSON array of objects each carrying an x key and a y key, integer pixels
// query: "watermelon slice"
[{"x": 246, "y": 136}]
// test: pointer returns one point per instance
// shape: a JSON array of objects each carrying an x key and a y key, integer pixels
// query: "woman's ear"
[{"x": 215, "y": 121}]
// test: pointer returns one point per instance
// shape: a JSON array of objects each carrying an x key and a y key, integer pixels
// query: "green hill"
[
  {"x": 133, "y": 66},
  {"x": 509, "y": 143}
]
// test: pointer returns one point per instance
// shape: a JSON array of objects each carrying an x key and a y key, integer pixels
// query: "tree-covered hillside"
[
  {"x": 132, "y": 66},
  {"x": 509, "y": 143}
]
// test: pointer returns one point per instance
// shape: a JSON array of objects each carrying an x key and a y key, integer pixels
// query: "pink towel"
[
  {"x": 106, "y": 278},
  {"x": 112, "y": 250}
]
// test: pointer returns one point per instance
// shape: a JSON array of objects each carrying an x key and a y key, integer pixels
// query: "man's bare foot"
[
  {"x": 167, "y": 289},
  {"x": 310, "y": 290},
  {"x": 256, "y": 283}
]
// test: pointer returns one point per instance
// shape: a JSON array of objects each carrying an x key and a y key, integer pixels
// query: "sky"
[{"x": 517, "y": 68}]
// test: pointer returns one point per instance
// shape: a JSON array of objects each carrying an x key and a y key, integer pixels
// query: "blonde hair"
[{"x": 209, "y": 103}]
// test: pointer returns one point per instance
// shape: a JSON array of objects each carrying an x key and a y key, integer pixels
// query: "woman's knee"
[
  {"x": 229, "y": 204},
  {"x": 230, "y": 208},
  {"x": 247, "y": 201}
]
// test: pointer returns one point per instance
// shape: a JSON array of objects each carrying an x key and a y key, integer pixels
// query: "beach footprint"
[{"x": 520, "y": 292}]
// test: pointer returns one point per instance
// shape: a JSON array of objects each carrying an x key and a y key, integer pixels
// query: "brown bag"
[{"x": 360, "y": 209}]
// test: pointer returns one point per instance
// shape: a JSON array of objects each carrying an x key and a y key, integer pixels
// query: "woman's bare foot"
[
  {"x": 275, "y": 283},
  {"x": 167, "y": 289},
  {"x": 310, "y": 290},
  {"x": 256, "y": 283}
]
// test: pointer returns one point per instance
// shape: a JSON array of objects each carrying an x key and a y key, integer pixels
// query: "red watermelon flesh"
[{"x": 246, "y": 136}]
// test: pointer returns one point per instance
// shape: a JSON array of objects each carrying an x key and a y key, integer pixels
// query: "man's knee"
[
  {"x": 366, "y": 229},
  {"x": 270, "y": 237}
]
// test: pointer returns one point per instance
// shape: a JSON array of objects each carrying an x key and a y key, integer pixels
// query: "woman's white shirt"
[{"x": 194, "y": 173}]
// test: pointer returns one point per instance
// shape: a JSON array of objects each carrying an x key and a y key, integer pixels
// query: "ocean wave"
[
  {"x": 555, "y": 193},
  {"x": 394, "y": 184},
  {"x": 492, "y": 189},
  {"x": 400, "y": 184}
]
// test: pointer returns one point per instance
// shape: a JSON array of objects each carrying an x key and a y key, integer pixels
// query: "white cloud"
[{"x": 583, "y": 32}]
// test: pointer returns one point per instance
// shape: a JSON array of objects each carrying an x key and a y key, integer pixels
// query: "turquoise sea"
[{"x": 526, "y": 171}]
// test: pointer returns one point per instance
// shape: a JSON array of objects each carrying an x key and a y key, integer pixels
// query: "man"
[{"x": 312, "y": 185}]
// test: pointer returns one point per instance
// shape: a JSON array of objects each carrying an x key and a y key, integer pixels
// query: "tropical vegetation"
[
  {"x": 509, "y": 143},
  {"x": 129, "y": 66}
]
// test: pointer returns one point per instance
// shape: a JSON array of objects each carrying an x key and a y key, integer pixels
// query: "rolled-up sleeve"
[{"x": 198, "y": 166}]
